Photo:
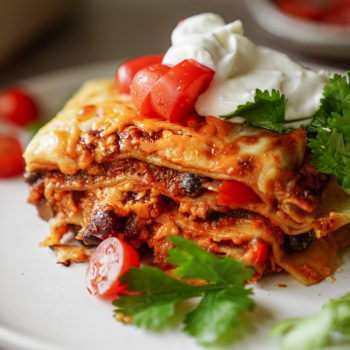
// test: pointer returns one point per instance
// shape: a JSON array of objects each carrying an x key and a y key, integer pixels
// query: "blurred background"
[
  {"x": 39, "y": 36},
  {"x": 48, "y": 48}
]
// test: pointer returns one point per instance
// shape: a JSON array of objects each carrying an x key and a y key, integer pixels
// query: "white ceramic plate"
[
  {"x": 316, "y": 38},
  {"x": 45, "y": 306}
]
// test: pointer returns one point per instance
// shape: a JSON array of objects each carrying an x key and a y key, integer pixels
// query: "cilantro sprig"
[
  {"x": 224, "y": 297},
  {"x": 329, "y": 131},
  {"x": 317, "y": 331},
  {"x": 331, "y": 145},
  {"x": 336, "y": 100},
  {"x": 267, "y": 111}
]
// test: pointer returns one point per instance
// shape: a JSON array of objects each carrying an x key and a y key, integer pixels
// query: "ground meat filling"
[
  {"x": 48, "y": 192},
  {"x": 177, "y": 183}
]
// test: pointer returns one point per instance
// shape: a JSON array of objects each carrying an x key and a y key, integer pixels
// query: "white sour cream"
[{"x": 241, "y": 67}]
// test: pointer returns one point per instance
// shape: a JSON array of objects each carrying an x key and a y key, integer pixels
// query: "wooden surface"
[{"x": 110, "y": 29}]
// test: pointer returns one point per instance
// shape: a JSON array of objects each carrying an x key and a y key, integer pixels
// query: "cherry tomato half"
[
  {"x": 235, "y": 192},
  {"x": 11, "y": 161},
  {"x": 127, "y": 70},
  {"x": 110, "y": 261},
  {"x": 17, "y": 107},
  {"x": 142, "y": 84},
  {"x": 174, "y": 95}
]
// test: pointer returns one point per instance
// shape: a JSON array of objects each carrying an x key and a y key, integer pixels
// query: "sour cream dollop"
[{"x": 241, "y": 67}]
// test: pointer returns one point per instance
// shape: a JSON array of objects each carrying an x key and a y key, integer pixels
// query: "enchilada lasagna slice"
[{"x": 99, "y": 169}]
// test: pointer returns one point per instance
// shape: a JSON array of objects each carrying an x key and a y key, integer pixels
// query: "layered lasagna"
[{"x": 99, "y": 169}]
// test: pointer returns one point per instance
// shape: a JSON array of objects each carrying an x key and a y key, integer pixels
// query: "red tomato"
[
  {"x": 110, "y": 261},
  {"x": 126, "y": 71},
  {"x": 175, "y": 94},
  {"x": 11, "y": 161},
  {"x": 301, "y": 8},
  {"x": 142, "y": 84},
  {"x": 235, "y": 192},
  {"x": 17, "y": 107},
  {"x": 339, "y": 13},
  {"x": 259, "y": 252}
]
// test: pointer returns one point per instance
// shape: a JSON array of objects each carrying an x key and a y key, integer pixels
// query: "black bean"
[
  {"x": 31, "y": 177},
  {"x": 103, "y": 223},
  {"x": 89, "y": 239},
  {"x": 213, "y": 215},
  {"x": 192, "y": 184},
  {"x": 298, "y": 243},
  {"x": 130, "y": 227}
]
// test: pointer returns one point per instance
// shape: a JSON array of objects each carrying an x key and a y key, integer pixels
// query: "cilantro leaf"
[
  {"x": 152, "y": 280},
  {"x": 224, "y": 296},
  {"x": 267, "y": 111},
  {"x": 316, "y": 331},
  {"x": 319, "y": 121},
  {"x": 336, "y": 100},
  {"x": 331, "y": 145},
  {"x": 337, "y": 94},
  {"x": 152, "y": 310},
  {"x": 194, "y": 262},
  {"x": 218, "y": 313}
]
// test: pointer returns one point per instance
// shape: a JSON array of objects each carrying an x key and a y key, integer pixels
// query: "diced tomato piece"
[
  {"x": 127, "y": 70},
  {"x": 174, "y": 95},
  {"x": 142, "y": 84},
  {"x": 17, "y": 106},
  {"x": 110, "y": 261},
  {"x": 235, "y": 192},
  {"x": 11, "y": 160},
  {"x": 259, "y": 252}
]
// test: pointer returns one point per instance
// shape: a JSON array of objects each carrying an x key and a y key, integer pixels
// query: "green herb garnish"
[
  {"x": 224, "y": 296},
  {"x": 35, "y": 127},
  {"x": 267, "y": 111},
  {"x": 331, "y": 145},
  {"x": 336, "y": 100},
  {"x": 317, "y": 331}
]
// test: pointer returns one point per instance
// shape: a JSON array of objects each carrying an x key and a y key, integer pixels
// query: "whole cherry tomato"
[
  {"x": 301, "y": 8},
  {"x": 142, "y": 84},
  {"x": 174, "y": 95},
  {"x": 17, "y": 107},
  {"x": 11, "y": 160},
  {"x": 127, "y": 70},
  {"x": 339, "y": 13},
  {"x": 109, "y": 262},
  {"x": 235, "y": 192}
]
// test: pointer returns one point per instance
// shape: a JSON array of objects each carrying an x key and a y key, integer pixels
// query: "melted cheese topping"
[{"x": 97, "y": 125}]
